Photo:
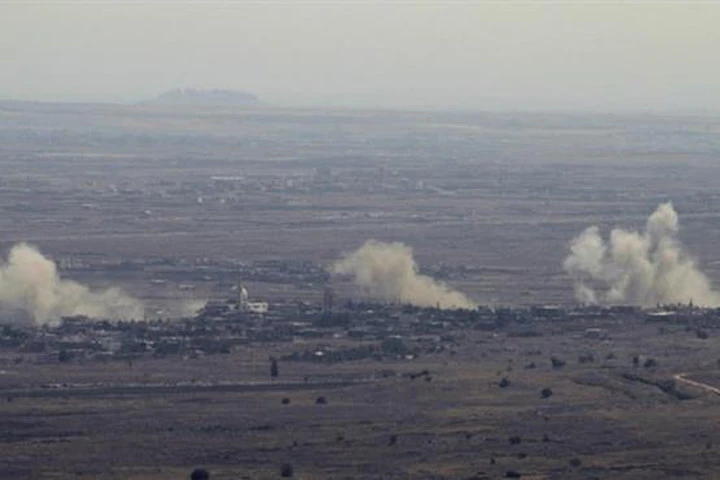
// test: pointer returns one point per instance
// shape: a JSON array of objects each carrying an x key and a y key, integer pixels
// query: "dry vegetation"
[
  {"x": 489, "y": 202},
  {"x": 438, "y": 416}
]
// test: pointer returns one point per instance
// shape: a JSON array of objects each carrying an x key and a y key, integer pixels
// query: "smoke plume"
[
  {"x": 639, "y": 268},
  {"x": 29, "y": 282},
  {"x": 387, "y": 271}
]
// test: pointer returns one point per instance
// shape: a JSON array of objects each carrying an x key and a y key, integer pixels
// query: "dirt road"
[{"x": 680, "y": 377}]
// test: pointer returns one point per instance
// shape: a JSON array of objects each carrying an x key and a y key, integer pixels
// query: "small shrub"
[
  {"x": 199, "y": 474},
  {"x": 575, "y": 462},
  {"x": 516, "y": 440},
  {"x": 512, "y": 474},
  {"x": 285, "y": 401},
  {"x": 546, "y": 392},
  {"x": 504, "y": 383},
  {"x": 321, "y": 401},
  {"x": 587, "y": 358},
  {"x": 64, "y": 356},
  {"x": 273, "y": 367},
  {"x": 650, "y": 363},
  {"x": 556, "y": 362},
  {"x": 286, "y": 471}
]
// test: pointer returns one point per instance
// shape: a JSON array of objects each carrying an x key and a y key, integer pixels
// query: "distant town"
[{"x": 376, "y": 331}]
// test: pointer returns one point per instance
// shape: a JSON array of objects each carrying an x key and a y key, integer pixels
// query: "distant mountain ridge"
[{"x": 212, "y": 97}]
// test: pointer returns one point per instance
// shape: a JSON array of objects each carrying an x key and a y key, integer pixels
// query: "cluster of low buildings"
[{"x": 372, "y": 329}]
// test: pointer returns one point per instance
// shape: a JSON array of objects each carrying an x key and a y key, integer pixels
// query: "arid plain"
[{"x": 176, "y": 205}]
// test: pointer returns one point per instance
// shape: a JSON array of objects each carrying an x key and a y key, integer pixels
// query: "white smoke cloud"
[
  {"x": 29, "y": 282},
  {"x": 182, "y": 308},
  {"x": 639, "y": 268},
  {"x": 387, "y": 271}
]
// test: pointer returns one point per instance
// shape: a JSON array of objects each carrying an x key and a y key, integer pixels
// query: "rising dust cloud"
[
  {"x": 388, "y": 272},
  {"x": 29, "y": 282},
  {"x": 638, "y": 268}
]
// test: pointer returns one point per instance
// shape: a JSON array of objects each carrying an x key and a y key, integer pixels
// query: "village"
[{"x": 364, "y": 329}]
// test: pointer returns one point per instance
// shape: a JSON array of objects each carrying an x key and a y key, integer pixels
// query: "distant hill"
[{"x": 215, "y": 97}]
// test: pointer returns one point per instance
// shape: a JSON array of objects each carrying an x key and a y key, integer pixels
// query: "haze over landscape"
[{"x": 531, "y": 55}]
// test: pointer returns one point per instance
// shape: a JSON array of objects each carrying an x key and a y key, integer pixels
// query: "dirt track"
[{"x": 680, "y": 377}]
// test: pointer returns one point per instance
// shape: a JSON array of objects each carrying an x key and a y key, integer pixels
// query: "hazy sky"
[{"x": 471, "y": 54}]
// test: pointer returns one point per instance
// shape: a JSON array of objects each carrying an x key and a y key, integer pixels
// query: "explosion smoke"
[
  {"x": 643, "y": 269},
  {"x": 30, "y": 282},
  {"x": 387, "y": 271}
]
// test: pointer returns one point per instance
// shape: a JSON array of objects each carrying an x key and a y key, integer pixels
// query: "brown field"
[
  {"x": 498, "y": 194},
  {"x": 131, "y": 196},
  {"x": 160, "y": 418}
]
